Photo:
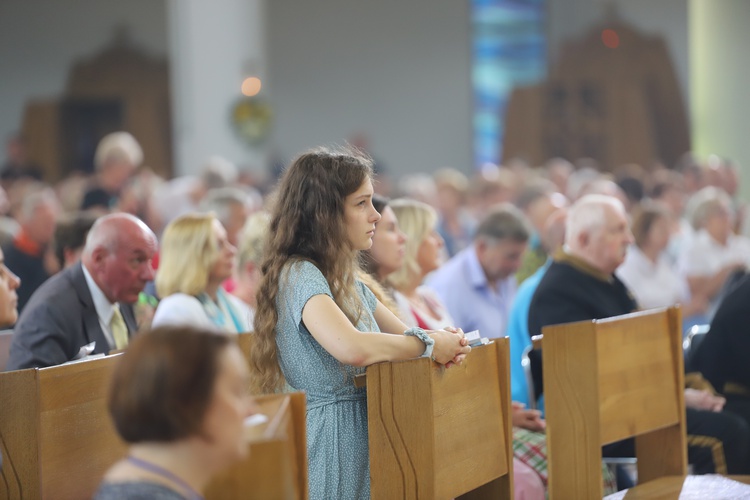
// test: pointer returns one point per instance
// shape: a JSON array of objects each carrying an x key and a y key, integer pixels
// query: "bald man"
[{"x": 90, "y": 301}]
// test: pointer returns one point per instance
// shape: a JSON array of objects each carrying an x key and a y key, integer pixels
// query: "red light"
[{"x": 610, "y": 39}]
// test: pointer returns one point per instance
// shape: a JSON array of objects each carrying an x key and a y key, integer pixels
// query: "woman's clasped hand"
[{"x": 451, "y": 347}]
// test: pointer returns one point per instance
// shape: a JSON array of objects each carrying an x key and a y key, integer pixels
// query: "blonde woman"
[
  {"x": 195, "y": 259},
  {"x": 418, "y": 305}
]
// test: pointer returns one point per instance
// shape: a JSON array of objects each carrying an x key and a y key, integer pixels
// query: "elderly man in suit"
[{"x": 90, "y": 301}]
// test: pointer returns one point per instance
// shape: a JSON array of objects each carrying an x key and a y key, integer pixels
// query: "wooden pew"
[
  {"x": 245, "y": 341},
  {"x": 437, "y": 433},
  {"x": 57, "y": 439},
  {"x": 276, "y": 466},
  {"x": 607, "y": 380}
]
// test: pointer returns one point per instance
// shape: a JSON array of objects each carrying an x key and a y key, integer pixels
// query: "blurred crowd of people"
[{"x": 124, "y": 249}]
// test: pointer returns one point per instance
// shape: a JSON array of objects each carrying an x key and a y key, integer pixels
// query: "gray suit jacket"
[{"x": 58, "y": 320}]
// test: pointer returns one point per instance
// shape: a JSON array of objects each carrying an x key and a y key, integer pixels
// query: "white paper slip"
[
  {"x": 475, "y": 339},
  {"x": 85, "y": 350},
  {"x": 256, "y": 419}
]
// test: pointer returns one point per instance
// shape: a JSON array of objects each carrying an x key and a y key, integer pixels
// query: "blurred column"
[
  {"x": 720, "y": 78},
  {"x": 213, "y": 47}
]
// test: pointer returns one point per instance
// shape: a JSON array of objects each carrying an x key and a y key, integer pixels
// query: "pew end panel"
[
  {"x": 68, "y": 441},
  {"x": 19, "y": 439},
  {"x": 607, "y": 380},
  {"x": 437, "y": 433}
]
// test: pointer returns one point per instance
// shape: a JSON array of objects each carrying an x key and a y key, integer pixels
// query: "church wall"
[{"x": 40, "y": 39}]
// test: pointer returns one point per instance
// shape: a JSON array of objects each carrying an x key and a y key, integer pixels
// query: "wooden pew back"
[
  {"x": 437, "y": 433},
  {"x": 276, "y": 466},
  {"x": 607, "y": 380},
  {"x": 245, "y": 341},
  {"x": 57, "y": 438}
]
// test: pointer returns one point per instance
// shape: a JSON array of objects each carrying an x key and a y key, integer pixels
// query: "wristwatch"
[{"x": 429, "y": 342}]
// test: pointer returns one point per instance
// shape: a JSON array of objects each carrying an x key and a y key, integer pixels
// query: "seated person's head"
[
  {"x": 231, "y": 205},
  {"x": 70, "y": 237},
  {"x": 195, "y": 252},
  {"x": 598, "y": 232},
  {"x": 117, "y": 156},
  {"x": 710, "y": 209},
  {"x": 558, "y": 170},
  {"x": 386, "y": 255},
  {"x": 500, "y": 241},
  {"x": 538, "y": 200},
  {"x": 553, "y": 234},
  {"x": 424, "y": 245},
  {"x": 252, "y": 243},
  {"x": 452, "y": 189},
  {"x": 667, "y": 188},
  {"x": 218, "y": 172},
  {"x": 179, "y": 384},
  {"x": 651, "y": 227},
  {"x": 9, "y": 282},
  {"x": 38, "y": 212},
  {"x": 491, "y": 186},
  {"x": 117, "y": 255}
]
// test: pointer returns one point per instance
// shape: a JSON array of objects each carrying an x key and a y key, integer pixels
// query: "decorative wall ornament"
[{"x": 251, "y": 119}]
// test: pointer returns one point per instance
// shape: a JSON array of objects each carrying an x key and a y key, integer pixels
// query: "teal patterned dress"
[{"x": 337, "y": 450}]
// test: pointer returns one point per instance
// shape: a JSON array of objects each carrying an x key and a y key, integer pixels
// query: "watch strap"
[{"x": 428, "y": 341}]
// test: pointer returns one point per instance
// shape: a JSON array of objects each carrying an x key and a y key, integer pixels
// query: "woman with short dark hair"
[{"x": 179, "y": 396}]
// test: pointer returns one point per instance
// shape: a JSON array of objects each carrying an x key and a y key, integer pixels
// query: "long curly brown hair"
[{"x": 307, "y": 223}]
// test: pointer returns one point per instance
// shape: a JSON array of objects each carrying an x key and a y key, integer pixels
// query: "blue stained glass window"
[{"x": 509, "y": 50}]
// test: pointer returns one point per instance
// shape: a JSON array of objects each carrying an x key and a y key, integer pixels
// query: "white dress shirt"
[
  {"x": 104, "y": 308},
  {"x": 705, "y": 256},
  {"x": 652, "y": 284}
]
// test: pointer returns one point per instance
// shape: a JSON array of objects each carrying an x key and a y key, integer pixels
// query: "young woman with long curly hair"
[{"x": 317, "y": 325}]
